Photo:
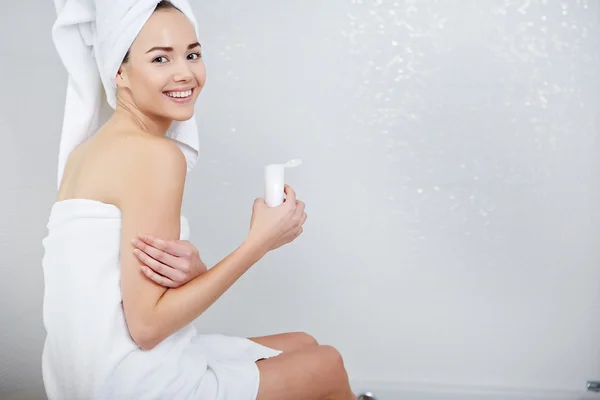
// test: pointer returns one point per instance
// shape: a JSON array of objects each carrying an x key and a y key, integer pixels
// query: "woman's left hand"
[{"x": 170, "y": 263}]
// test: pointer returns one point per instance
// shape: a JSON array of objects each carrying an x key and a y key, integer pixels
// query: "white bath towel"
[
  {"x": 92, "y": 37},
  {"x": 88, "y": 353}
]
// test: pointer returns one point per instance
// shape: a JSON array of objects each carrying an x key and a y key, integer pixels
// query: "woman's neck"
[{"x": 154, "y": 126}]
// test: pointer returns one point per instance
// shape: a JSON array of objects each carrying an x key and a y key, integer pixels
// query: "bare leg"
[
  {"x": 309, "y": 373},
  {"x": 286, "y": 342}
]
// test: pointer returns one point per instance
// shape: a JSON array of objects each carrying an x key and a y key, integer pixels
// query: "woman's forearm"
[{"x": 178, "y": 307}]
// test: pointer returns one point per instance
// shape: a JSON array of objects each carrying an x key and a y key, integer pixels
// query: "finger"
[
  {"x": 157, "y": 266},
  {"x": 303, "y": 219},
  {"x": 171, "y": 247},
  {"x": 161, "y": 280},
  {"x": 298, "y": 232},
  {"x": 258, "y": 205},
  {"x": 300, "y": 207},
  {"x": 290, "y": 195},
  {"x": 159, "y": 255}
]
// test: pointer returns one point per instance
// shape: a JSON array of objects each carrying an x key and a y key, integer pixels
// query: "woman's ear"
[{"x": 119, "y": 79}]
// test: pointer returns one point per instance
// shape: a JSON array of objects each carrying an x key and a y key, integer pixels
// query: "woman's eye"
[
  {"x": 195, "y": 56},
  {"x": 157, "y": 59}
]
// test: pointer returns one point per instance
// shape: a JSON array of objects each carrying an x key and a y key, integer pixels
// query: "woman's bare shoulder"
[
  {"x": 116, "y": 163},
  {"x": 137, "y": 160},
  {"x": 126, "y": 146}
]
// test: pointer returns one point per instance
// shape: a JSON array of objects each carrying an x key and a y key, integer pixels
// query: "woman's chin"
[{"x": 182, "y": 115}]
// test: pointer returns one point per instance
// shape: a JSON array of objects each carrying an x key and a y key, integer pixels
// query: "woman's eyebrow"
[{"x": 191, "y": 46}]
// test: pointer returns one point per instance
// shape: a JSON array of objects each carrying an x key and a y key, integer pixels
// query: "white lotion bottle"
[{"x": 275, "y": 183}]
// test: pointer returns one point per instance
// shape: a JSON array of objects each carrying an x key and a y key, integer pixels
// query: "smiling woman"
[
  {"x": 183, "y": 94},
  {"x": 174, "y": 67},
  {"x": 113, "y": 332}
]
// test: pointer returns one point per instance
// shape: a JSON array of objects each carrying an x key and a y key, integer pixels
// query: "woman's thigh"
[
  {"x": 315, "y": 372},
  {"x": 286, "y": 342}
]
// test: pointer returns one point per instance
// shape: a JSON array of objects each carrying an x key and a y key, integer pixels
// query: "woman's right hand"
[{"x": 272, "y": 227}]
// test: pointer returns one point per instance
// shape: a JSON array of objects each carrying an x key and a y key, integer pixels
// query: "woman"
[{"x": 114, "y": 329}]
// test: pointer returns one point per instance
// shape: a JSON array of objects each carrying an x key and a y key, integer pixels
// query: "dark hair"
[{"x": 162, "y": 5}]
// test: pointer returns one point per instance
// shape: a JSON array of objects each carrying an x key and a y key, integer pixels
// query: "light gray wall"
[{"x": 450, "y": 173}]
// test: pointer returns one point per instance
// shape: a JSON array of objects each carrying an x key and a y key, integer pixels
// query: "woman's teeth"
[{"x": 187, "y": 93}]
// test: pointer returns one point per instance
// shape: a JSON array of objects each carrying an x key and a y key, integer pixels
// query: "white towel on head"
[{"x": 92, "y": 37}]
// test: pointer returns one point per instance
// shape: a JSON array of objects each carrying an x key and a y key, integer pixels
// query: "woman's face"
[{"x": 165, "y": 72}]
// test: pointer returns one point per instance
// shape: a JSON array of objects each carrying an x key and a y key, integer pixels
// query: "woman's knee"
[
  {"x": 332, "y": 366},
  {"x": 331, "y": 357},
  {"x": 303, "y": 339}
]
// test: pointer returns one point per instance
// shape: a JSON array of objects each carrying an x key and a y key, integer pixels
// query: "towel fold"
[{"x": 91, "y": 38}]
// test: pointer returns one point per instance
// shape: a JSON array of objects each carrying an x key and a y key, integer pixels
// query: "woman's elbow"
[{"x": 144, "y": 336}]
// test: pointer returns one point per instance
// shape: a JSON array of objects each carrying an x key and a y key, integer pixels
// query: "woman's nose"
[{"x": 182, "y": 72}]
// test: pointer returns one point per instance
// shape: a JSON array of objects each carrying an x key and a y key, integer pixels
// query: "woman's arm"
[{"x": 150, "y": 203}]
